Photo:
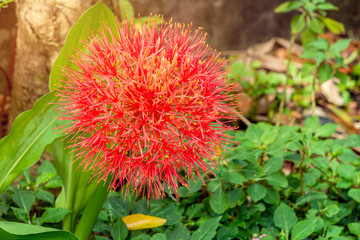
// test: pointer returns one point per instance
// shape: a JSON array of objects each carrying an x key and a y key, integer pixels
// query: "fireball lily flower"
[{"x": 145, "y": 104}]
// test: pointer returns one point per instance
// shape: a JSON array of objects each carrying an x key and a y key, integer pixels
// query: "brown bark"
[{"x": 42, "y": 28}]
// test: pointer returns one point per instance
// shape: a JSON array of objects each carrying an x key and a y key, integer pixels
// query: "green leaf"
[
  {"x": 119, "y": 231},
  {"x": 326, "y": 130},
  {"x": 91, "y": 20},
  {"x": 354, "y": 228},
  {"x": 288, "y": 6},
  {"x": 236, "y": 197},
  {"x": 53, "y": 215},
  {"x": 354, "y": 194},
  {"x": 339, "y": 46},
  {"x": 334, "y": 26},
  {"x": 226, "y": 232},
  {"x": 285, "y": 218},
  {"x": 334, "y": 231},
  {"x": 347, "y": 171},
  {"x": 195, "y": 210},
  {"x": 45, "y": 196},
  {"x": 273, "y": 164},
  {"x": 307, "y": 69},
  {"x": 233, "y": 177},
  {"x": 24, "y": 199},
  {"x": 159, "y": 236},
  {"x": 311, "y": 196},
  {"x": 180, "y": 232},
  {"x": 312, "y": 123},
  {"x": 272, "y": 197},
  {"x": 254, "y": 133},
  {"x": 321, "y": 162},
  {"x": 316, "y": 25},
  {"x": 21, "y": 214},
  {"x": 277, "y": 179},
  {"x": 21, "y": 231},
  {"x": 302, "y": 230},
  {"x": 219, "y": 201},
  {"x": 170, "y": 213},
  {"x": 325, "y": 72},
  {"x": 297, "y": 24},
  {"x": 140, "y": 206},
  {"x": 207, "y": 230},
  {"x": 126, "y": 9},
  {"x": 30, "y": 133},
  {"x": 256, "y": 192},
  {"x": 307, "y": 36},
  {"x": 320, "y": 44},
  {"x": 326, "y": 6}
]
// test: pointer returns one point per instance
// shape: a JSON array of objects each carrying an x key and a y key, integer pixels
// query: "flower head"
[{"x": 145, "y": 104}]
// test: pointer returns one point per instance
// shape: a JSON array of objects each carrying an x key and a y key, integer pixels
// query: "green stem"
[
  {"x": 91, "y": 212},
  {"x": 283, "y": 96},
  {"x": 70, "y": 219}
]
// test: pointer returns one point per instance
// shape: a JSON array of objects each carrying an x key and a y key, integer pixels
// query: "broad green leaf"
[
  {"x": 348, "y": 156},
  {"x": 141, "y": 221},
  {"x": 140, "y": 206},
  {"x": 195, "y": 210},
  {"x": 312, "y": 123},
  {"x": 254, "y": 133},
  {"x": 53, "y": 215},
  {"x": 307, "y": 69},
  {"x": 307, "y": 36},
  {"x": 311, "y": 196},
  {"x": 354, "y": 228},
  {"x": 233, "y": 177},
  {"x": 320, "y": 44},
  {"x": 207, "y": 230},
  {"x": 288, "y": 6},
  {"x": 126, "y": 9},
  {"x": 219, "y": 201},
  {"x": 297, "y": 24},
  {"x": 21, "y": 214},
  {"x": 21, "y": 231},
  {"x": 91, "y": 20},
  {"x": 334, "y": 26},
  {"x": 30, "y": 133},
  {"x": 24, "y": 199},
  {"x": 321, "y": 162},
  {"x": 273, "y": 164},
  {"x": 45, "y": 196},
  {"x": 326, "y": 6},
  {"x": 339, "y": 46},
  {"x": 302, "y": 230},
  {"x": 347, "y": 171},
  {"x": 326, "y": 130},
  {"x": 226, "y": 232},
  {"x": 159, "y": 236},
  {"x": 256, "y": 192},
  {"x": 334, "y": 231},
  {"x": 119, "y": 231},
  {"x": 316, "y": 25},
  {"x": 354, "y": 194},
  {"x": 170, "y": 213},
  {"x": 285, "y": 218},
  {"x": 236, "y": 197},
  {"x": 272, "y": 197},
  {"x": 179, "y": 232},
  {"x": 325, "y": 72},
  {"x": 277, "y": 179}
]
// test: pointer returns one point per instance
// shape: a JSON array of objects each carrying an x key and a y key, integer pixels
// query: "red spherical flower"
[{"x": 145, "y": 104}]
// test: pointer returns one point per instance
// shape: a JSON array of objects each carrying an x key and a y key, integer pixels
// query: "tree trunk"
[{"x": 42, "y": 28}]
